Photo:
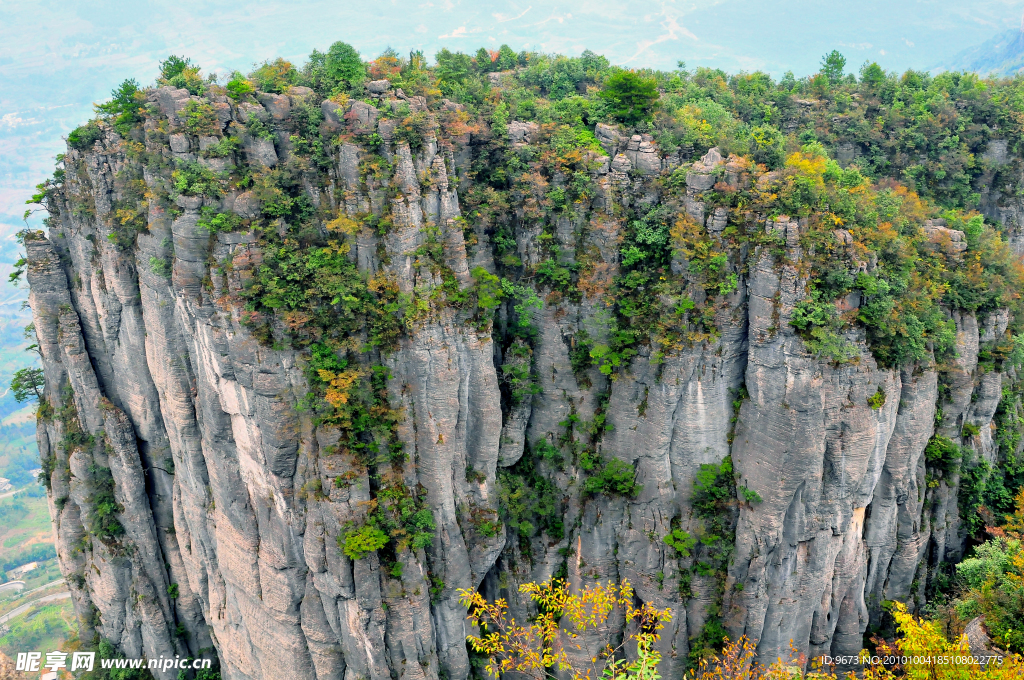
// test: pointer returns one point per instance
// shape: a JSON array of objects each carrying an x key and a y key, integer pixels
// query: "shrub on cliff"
[
  {"x": 358, "y": 543},
  {"x": 192, "y": 179},
  {"x": 613, "y": 477},
  {"x": 180, "y": 72},
  {"x": 84, "y": 136},
  {"x": 200, "y": 119},
  {"x": 239, "y": 86},
  {"x": 124, "y": 110},
  {"x": 273, "y": 76},
  {"x": 105, "y": 525},
  {"x": 943, "y": 453}
]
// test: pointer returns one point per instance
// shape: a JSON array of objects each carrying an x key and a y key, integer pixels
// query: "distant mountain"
[{"x": 1002, "y": 55}]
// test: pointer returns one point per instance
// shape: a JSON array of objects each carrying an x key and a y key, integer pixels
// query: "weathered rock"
[
  {"x": 278, "y": 105},
  {"x": 643, "y": 154},
  {"x": 170, "y": 101},
  {"x": 520, "y": 132},
  {"x": 608, "y": 136},
  {"x": 179, "y": 143},
  {"x": 621, "y": 163},
  {"x": 363, "y": 115},
  {"x": 979, "y": 641},
  {"x": 246, "y": 205},
  {"x": 334, "y": 114},
  {"x": 298, "y": 93},
  {"x": 418, "y": 103},
  {"x": 701, "y": 177},
  {"x": 260, "y": 151},
  {"x": 997, "y": 152},
  {"x": 944, "y": 238},
  {"x": 247, "y": 109}
]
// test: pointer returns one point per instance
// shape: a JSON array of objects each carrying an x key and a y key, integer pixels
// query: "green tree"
[
  {"x": 631, "y": 97},
  {"x": 26, "y": 383},
  {"x": 453, "y": 68},
  {"x": 507, "y": 59},
  {"x": 173, "y": 66},
  {"x": 871, "y": 74},
  {"x": 488, "y": 289},
  {"x": 344, "y": 67},
  {"x": 483, "y": 60},
  {"x": 768, "y": 146},
  {"x": 832, "y": 65},
  {"x": 239, "y": 86},
  {"x": 123, "y": 109}
]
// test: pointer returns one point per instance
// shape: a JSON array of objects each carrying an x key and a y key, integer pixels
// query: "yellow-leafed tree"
[{"x": 551, "y": 642}]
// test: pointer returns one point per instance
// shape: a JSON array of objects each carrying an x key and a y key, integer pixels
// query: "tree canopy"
[
  {"x": 26, "y": 384},
  {"x": 632, "y": 97}
]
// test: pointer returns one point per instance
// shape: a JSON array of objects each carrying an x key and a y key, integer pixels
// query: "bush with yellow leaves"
[
  {"x": 551, "y": 643},
  {"x": 550, "y": 646}
]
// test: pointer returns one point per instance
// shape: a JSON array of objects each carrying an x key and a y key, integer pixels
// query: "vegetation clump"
[
  {"x": 84, "y": 136},
  {"x": 877, "y": 400},
  {"x": 181, "y": 73},
  {"x": 613, "y": 477},
  {"x": 537, "y": 649},
  {"x": 943, "y": 454},
  {"x": 681, "y": 541},
  {"x": 397, "y": 520}
]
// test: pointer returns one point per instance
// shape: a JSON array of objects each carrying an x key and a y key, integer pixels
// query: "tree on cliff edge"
[
  {"x": 630, "y": 96},
  {"x": 26, "y": 383},
  {"x": 832, "y": 66}
]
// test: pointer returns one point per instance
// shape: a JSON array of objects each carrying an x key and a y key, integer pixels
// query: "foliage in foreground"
[
  {"x": 932, "y": 656},
  {"x": 550, "y": 645},
  {"x": 991, "y": 582},
  {"x": 542, "y": 649},
  {"x": 926, "y": 653}
]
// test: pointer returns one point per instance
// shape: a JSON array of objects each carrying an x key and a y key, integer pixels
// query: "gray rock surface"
[
  {"x": 643, "y": 154},
  {"x": 520, "y": 132},
  {"x": 608, "y": 136}
]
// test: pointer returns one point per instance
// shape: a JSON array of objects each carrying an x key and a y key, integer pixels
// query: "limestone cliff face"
[{"x": 204, "y": 536}]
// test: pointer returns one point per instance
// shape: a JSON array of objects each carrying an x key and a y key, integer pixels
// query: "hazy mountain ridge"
[{"x": 1001, "y": 55}]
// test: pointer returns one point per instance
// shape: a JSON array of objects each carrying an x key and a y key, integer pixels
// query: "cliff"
[{"x": 309, "y": 372}]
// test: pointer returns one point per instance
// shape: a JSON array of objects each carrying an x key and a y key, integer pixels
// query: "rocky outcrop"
[
  {"x": 978, "y": 640},
  {"x": 198, "y": 506}
]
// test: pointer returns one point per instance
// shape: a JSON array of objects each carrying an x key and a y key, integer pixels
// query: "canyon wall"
[{"x": 198, "y": 503}]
